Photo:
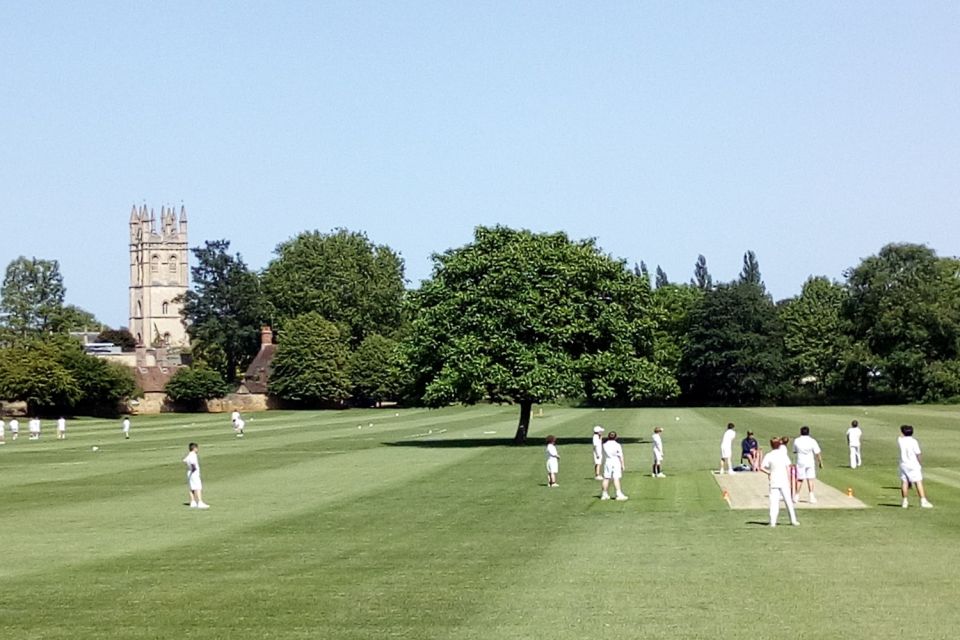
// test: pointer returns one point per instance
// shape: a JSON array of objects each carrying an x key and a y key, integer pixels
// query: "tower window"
[
  {"x": 155, "y": 264},
  {"x": 173, "y": 264},
  {"x": 166, "y": 307}
]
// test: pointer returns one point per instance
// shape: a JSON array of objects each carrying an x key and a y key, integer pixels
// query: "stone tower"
[{"x": 158, "y": 275}]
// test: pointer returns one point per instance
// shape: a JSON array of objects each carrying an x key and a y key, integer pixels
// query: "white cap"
[{"x": 598, "y": 429}]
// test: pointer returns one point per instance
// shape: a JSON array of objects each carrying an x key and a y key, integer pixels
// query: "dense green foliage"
[
  {"x": 120, "y": 337},
  {"x": 734, "y": 350},
  {"x": 53, "y": 375},
  {"x": 904, "y": 307},
  {"x": 224, "y": 311},
  {"x": 32, "y": 297},
  {"x": 310, "y": 366},
  {"x": 524, "y": 317},
  {"x": 374, "y": 370},
  {"x": 192, "y": 385},
  {"x": 343, "y": 276}
]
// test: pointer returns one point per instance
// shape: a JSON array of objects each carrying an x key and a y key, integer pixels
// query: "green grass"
[{"x": 427, "y": 526}]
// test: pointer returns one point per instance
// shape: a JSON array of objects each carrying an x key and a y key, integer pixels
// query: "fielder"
[
  {"x": 854, "y": 435},
  {"x": 597, "y": 452},
  {"x": 726, "y": 448},
  {"x": 776, "y": 465},
  {"x": 613, "y": 467},
  {"x": 192, "y": 461},
  {"x": 911, "y": 471},
  {"x": 658, "y": 454},
  {"x": 553, "y": 462},
  {"x": 807, "y": 451}
]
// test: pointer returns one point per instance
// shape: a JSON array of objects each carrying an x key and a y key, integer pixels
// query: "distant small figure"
[
  {"x": 613, "y": 467},
  {"x": 238, "y": 427},
  {"x": 726, "y": 448},
  {"x": 61, "y": 428},
  {"x": 658, "y": 453},
  {"x": 192, "y": 460},
  {"x": 809, "y": 459},
  {"x": 34, "y": 427},
  {"x": 911, "y": 471},
  {"x": 854, "y": 436},
  {"x": 776, "y": 465},
  {"x": 234, "y": 417},
  {"x": 597, "y": 452},
  {"x": 3, "y": 431},
  {"x": 14, "y": 428},
  {"x": 751, "y": 451},
  {"x": 553, "y": 461},
  {"x": 126, "y": 428}
]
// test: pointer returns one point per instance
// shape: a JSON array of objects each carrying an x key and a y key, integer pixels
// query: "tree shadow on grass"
[{"x": 471, "y": 443}]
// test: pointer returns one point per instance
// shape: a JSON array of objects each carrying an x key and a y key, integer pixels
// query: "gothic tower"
[{"x": 158, "y": 274}]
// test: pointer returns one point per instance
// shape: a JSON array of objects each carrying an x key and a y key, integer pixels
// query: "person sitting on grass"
[{"x": 751, "y": 452}]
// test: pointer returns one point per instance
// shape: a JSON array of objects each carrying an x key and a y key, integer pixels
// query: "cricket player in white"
[
  {"x": 14, "y": 429},
  {"x": 911, "y": 471},
  {"x": 726, "y": 448},
  {"x": 808, "y": 458},
  {"x": 613, "y": 467},
  {"x": 234, "y": 417},
  {"x": 553, "y": 461},
  {"x": 658, "y": 454},
  {"x": 126, "y": 428},
  {"x": 854, "y": 435},
  {"x": 776, "y": 464},
  {"x": 597, "y": 452},
  {"x": 192, "y": 461},
  {"x": 61, "y": 428},
  {"x": 238, "y": 427},
  {"x": 3, "y": 434}
]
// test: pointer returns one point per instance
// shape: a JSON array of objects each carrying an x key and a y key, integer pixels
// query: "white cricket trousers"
[
  {"x": 855, "y": 457},
  {"x": 776, "y": 495}
]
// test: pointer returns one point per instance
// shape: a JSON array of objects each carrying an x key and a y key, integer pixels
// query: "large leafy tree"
[
  {"x": 904, "y": 305},
  {"x": 53, "y": 374},
  {"x": 120, "y": 337},
  {"x": 310, "y": 365},
  {"x": 192, "y": 385},
  {"x": 815, "y": 335},
  {"x": 524, "y": 317},
  {"x": 701, "y": 275},
  {"x": 224, "y": 310},
  {"x": 32, "y": 372},
  {"x": 73, "y": 318},
  {"x": 751, "y": 270},
  {"x": 734, "y": 353},
  {"x": 373, "y": 369},
  {"x": 32, "y": 296},
  {"x": 671, "y": 308},
  {"x": 342, "y": 276}
]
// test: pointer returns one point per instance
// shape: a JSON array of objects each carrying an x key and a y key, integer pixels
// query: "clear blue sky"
[{"x": 813, "y": 133}]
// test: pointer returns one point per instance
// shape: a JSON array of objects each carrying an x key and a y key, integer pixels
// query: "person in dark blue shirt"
[{"x": 751, "y": 451}]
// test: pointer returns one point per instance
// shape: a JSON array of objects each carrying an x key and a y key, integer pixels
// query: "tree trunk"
[{"x": 525, "y": 408}]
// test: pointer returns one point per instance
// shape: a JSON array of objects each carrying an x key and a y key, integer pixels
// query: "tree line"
[{"x": 523, "y": 317}]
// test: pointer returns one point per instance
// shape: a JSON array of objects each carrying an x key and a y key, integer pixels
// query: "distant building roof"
[
  {"x": 153, "y": 379},
  {"x": 258, "y": 373}
]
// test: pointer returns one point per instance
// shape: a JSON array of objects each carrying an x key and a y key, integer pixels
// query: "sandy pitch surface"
[{"x": 748, "y": 490}]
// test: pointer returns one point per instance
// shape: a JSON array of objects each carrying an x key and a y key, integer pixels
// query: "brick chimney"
[{"x": 266, "y": 335}]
